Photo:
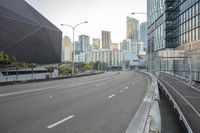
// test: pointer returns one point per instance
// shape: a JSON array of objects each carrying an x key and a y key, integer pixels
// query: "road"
[
  {"x": 186, "y": 96},
  {"x": 103, "y": 103}
]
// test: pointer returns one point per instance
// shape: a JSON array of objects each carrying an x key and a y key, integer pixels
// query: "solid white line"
[
  {"x": 126, "y": 88},
  {"x": 111, "y": 96},
  {"x": 26, "y": 91},
  {"x": 183, "y": 98},
  {"x": 61, "y": 121},
  {"x": 184, "y": 83}
]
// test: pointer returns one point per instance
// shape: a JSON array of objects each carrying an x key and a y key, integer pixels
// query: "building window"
[{"x": 197, "y": 34}]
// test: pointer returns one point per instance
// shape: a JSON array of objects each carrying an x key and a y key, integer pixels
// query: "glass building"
[{"x": 174, "y": 37}]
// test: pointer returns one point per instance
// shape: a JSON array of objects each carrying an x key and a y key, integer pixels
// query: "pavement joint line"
[
  {"x": 27, "y": 91},
  {"x": 184, "y": 83},
  {"x": 61, "y": 121},
  {"x": 126, "y": 88},
  {"x": 111, "y": 96},
  {"x": 184, "y": 99}
]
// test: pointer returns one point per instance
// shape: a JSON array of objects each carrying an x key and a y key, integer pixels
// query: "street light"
[
  {"x": 73, "y": 53},
  {"x": 133, "y": 13}
]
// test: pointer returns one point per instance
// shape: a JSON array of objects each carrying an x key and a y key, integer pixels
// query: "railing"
[
  {"x": 147, "y": 118},
  {"x": 181, "y": 116}
]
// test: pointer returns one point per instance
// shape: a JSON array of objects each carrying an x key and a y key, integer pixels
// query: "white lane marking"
[
  {"x": 111, "y": 96},
  {"x": 126, "y": 88},
  {"x": 184, "y": 83},
  {"x": 121, "y": 91},
  {"x": 27, "y": 91},
  {"x": 50, "y": 96},
  {"x": 61, "y": 121},
  {"x": 183, "y": 98},
  {"x": 133, "y": 83}
]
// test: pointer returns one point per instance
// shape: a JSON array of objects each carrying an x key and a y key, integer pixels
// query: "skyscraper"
[
  {"x": 96, "y": 43},
  {"x": 66, "y": 49},
  {"x": 143, "y": 34},
  {"x": 106, "y": 39},
  {"x": 84, "y": 42},
  {"x": 132, "y": 31},
  {"x": 174, "y": 37}
]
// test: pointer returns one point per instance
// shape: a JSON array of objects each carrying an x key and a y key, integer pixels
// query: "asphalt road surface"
[{"x": 103, "y": 103}]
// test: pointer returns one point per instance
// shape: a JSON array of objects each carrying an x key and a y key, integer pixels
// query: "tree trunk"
[
  {"x": 7, "y": 73},
  {"x": 17, "y": 74},
  {"x": 32, "y": 73}
]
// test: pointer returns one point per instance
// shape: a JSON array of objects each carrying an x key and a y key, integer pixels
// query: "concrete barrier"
[{"x": 147, "y": 118}]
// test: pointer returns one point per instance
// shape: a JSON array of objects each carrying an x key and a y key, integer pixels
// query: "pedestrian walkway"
[{"x": 187, "y": 98}]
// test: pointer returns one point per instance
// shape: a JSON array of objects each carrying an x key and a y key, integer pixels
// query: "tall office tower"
[
  {"x": 106, "y": 39},
  {"x": 174, "y": 37},
  {"x": 96, "y": 43},
  {"x": 27, "y": 35},
  {"x": 77, "y": 47},
  {"x": 67, "y": 49},
  {"x": 84, "y": 42},
  {"x": 143, "y": 35},
  {"x": 126, "y": 45},
  {"x": 132, "y": 30}
]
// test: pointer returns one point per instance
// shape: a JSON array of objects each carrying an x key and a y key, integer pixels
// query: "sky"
[{"x": 109, "y": 15}]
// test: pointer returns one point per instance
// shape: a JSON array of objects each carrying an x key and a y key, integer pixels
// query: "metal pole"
[{"x": 73, "y": 54}]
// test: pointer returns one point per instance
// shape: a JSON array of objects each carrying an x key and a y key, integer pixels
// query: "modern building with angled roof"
[{"x": 27, "y": 35}]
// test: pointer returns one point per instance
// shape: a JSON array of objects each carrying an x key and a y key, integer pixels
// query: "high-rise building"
[
  {"x": 125, "y": 45},
  {"x": 132, "y": 30},
  {"x": 84, "y": 42},
  {"x": 114, "y": 46},
  {"x": 174, "y": 37},
  {"x": 27, "y": 35},
  {"x": 96, "y": 43},
  {"x": 143, "y": 35},
  {"x": 77, "y": 47},
  {"x": 106, "y": 39},
  {"x": 67, "y": 49}
]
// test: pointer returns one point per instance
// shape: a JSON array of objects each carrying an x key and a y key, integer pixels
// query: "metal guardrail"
[
  {"x": 147, "y": 118},
  {"x": 181, "y": 116}
]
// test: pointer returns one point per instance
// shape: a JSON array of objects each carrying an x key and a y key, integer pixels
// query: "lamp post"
[{"x": 73, "y": 53}]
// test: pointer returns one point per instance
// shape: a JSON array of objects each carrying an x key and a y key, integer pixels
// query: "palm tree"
[
  {"x": 50, "y": 69},
  {"x": 7, "y": 61},
  {"x": 32, "y": 66},
  {"x": 18, "y": 65}
]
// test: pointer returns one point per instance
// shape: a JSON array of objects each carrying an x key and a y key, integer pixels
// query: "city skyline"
[{"x": 101, "y": 15}]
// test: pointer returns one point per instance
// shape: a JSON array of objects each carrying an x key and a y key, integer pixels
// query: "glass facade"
[{"x": 174, "y": 43}]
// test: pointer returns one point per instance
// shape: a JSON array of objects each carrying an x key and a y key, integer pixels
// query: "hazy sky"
[{"x": 101, "y": 15}]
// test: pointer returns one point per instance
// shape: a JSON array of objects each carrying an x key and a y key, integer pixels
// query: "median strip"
[{"x": 61, "y": 121}]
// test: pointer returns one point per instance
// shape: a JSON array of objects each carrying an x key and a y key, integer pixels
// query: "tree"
[
  {"x": 18, "y": 65},
  {"x": 50, "y": 69},
  {"x": 32, "y": 66},
  {"x": 80, "y": 66},
  {"x": 7, "y": 61},
  {"x": 87, "y": 66}
]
